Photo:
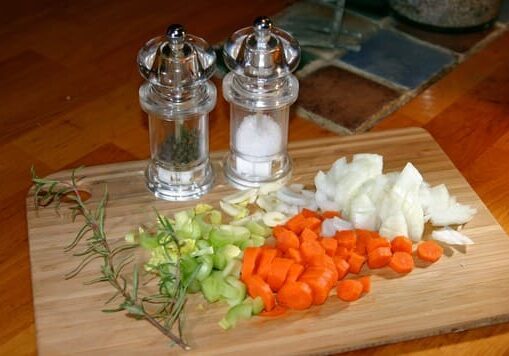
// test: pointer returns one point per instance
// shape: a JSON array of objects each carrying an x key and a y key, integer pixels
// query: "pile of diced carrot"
[{"x": 304, "y": 267}]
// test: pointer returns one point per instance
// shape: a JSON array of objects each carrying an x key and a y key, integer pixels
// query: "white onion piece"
[
  {"x": 267, "y": 202},
  {"x": 451, "y": 237},
  {"x": 296, "y": 187},
  {"x": 288, "y": 196},
  {"x": 331, "y": 226},
  {"x": 394, "y": 225},
  {"x": 269, "y": 188},
  {"x": 274, "y": 218},
  {"x": 456, "y": 214},
  {"x": 323, "y": 203}
]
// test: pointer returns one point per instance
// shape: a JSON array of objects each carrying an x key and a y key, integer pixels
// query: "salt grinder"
[
  {"x": 260, "y": 89},
  {"x": 178, "y": 96}
]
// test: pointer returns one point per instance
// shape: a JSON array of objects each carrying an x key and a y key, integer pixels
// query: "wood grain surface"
[
  {"x": 68, "y": 92},
  {"x": 467, "y": 288}
]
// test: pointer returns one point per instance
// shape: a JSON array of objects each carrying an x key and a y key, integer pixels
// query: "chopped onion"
[
  {"x": 331, "y": 226},
  {"x": 288, "y": 196},
  {"x": 451, "y": 237}
]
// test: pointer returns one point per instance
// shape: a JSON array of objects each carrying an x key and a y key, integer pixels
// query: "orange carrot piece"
[
  {"x": 287, "y": 239},
  {"x": 294, "y": 272},
  {"x": 330, "y": 214},
  {"x": 363, "y": 237},
  {"x": 312, "y": 223},
  {"x": 401, "y": 244},
  {"x": 249, "y": 261},
  {"x": 379, "y": 257},
  {"x": 278, "y": 272},
  {"x": 310, "y": 250},
  {"x": 278, "y": 230},
  {"x": 295, "y": 295},
  {"x": 402, "y": 262},
  {"x": 319, "y": 283},
  {"x": 356, "y": 262},
  {"x": 296, "y": 223},
  {"x": 309, "y": 213},
  {"x": 318, "y": 230},
  {"x": 349, "y": 290},
  {"x": 429, "y": 251},
  {"x": 256, "y": 287},
  {"x": 266, "y": 257},
  {"x": 342, "y": 266},
  {"x": 325, "y": 261},
  {"x": 366, "y": 284},
  {"x": 343, "y": 252},
  {"x": 294, "y": 254},
  {"x": 346, "y": 238},
  {"x": 308, "y": 235},
  {"x": 377, "y": 242},
  {"x": 277, "y": 311},
  {"x": 330, "y": 246}
]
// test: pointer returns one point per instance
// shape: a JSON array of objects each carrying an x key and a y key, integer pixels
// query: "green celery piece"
[
  {"x": 258, "y": 240},
  {"x": 181, "y": 219},
  {"x": 206, "y": 264},
  {"x": 194, "y": 286},
  {"x": 219, "y": 261},
  {"x": 202, "y": 208},
  {"x": 219, "y": 238},
  {"x": 240, "y": 233},
  {"x": 235, "y": 314},
  {"x": 234, "y": 291},
  {"x": 258, "y": 305},
  {"x": 224, "y": 254},
  {"x": 203, "y": 226},
  {"x": 257, "y": 229},
  {"x": 148, "y": 241},
  {"x": 202, "y": 244},
  {"x": 233, "y": 268},
  {"x": 187, "y": 267},
  {"x": 216, "y": 217},
  {"x": 212, "y": 287},
  {"x": 245, "y": 244}
]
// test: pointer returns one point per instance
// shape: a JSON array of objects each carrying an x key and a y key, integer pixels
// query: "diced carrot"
[
  {"x": 325, "y": 262},
  {"x": 297, "y": 223},
  {"x": 377, "y": 242},
  {"x": 349, "y": 290},
  {"x": 318, "y": 230},
  {"x": 249, "y": 261},
  {"x": 309, "y": 213},
  {"x": 308, "y": 235},
  {"x": 379, "y": 257},
  {"x": 294, "y": 254},
  {"x": 312, "y": 223},
  {"x": 319, "y": 283},
  {"x": 310, "y": 250},
  {"x": 356, "y": 262},
  {"x": 256, "y": 287},
  {"x": 366, "y": 284},
  {"x": 294, "y": 272},
  {"x": 331, "y": 214},
  {"x": 401, "y": 244},
  {"x": 278, "y": 272},
  {"x": 346, "y": 238},
  {"x": 343, "y": 252},
  {"x": 429, "y": 251},
  {"x": 363, "y": 237},
  {"x": 287, "y": 239},
  {"x": 295, "y": 295},
  {"x": 278, "y": 230},
  {"x": 402, "y": 262},
  {"x": 277, "y": 311},
  {"x": 330, "y": 246},
  {"x": 266, "y": 257},
  {"x": 341, "y": 266}
]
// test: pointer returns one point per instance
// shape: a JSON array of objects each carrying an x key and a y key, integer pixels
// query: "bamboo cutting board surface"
[{"x": 465, "y": 289}]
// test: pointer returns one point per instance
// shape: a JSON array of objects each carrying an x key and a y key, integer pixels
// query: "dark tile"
[
  {"x": 397, "y": 58},
  {"x": 345, "y": 98},
  {"x": 458, "y": 42}
]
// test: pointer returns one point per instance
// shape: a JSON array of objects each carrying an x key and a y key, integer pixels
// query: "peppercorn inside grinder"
[
  {"x": 260, "y": 89},
  {"x": 178, "y": 96}
]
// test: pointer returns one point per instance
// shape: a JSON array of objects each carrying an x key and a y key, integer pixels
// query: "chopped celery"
[
  {"x": 212, "y": 287},
  {"x": 245, "y": 244},
  {"x": 219, "y": 238},
  {"x": 187, "y": 267},
  {"x": 236, "y": 313},
  {"x": 202, "y": 208},
  {"x": 204, "y": 227},
  {"x": 258, "y": 240},
  {"x": 219, "y": 261},
  {"x": 234, "y": 291},
  {"x": 216, "y": 217},
  {"x": 206, "y": 263},
  {"x": 148, "y": 241},
  {"x": 233, "y": 268},
  {"x": 240, "y": 233},
  {"x": 202, "y": 244},
  {"x": 181, "y": 219},
  {"x": 257, "y": 229},
  {"x": 258, "y": 305},
  {"x": 194, "y": 286}
]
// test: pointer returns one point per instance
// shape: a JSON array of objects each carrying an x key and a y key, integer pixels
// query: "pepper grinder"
[
  {"x": 260, "y": 89},
  {"x": 178, "y": 96}
]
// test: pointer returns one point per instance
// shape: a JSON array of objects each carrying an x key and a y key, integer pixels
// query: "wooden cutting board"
[{"x": 463, "y": 290}]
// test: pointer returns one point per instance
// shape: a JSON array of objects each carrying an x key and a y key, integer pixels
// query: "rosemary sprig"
[{"x": 170, "y": 302}]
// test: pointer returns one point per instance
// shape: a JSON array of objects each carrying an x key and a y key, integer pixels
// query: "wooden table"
[{"x": 69, "y": 89}]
